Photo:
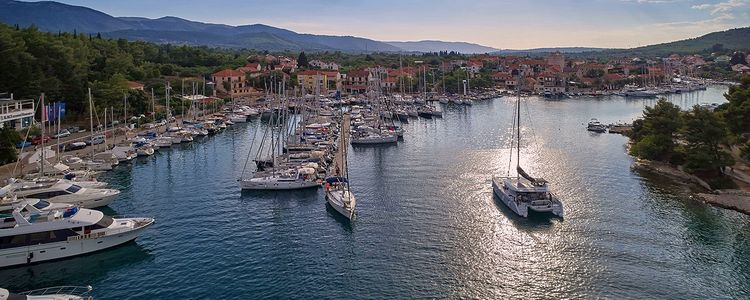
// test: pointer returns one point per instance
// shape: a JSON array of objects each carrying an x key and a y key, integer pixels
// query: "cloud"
[{"x": 722, "y": 7}]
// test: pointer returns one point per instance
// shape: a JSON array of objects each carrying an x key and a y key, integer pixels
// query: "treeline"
[
  {"x": 65, "y": 65},
  {"x": 698, "y": 139}
]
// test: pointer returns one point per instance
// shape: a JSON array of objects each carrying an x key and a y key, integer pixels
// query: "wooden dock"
[{"x": 338, "y": 167}]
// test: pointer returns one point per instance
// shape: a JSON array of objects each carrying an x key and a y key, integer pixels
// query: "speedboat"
[{"x": 31, "y": 235}]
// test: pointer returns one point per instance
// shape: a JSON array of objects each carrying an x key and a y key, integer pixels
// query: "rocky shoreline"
[{"x": 737, "y": 200}]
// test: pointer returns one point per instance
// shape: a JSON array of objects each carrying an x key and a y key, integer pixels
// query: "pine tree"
[{"x": 302, "y": 60}]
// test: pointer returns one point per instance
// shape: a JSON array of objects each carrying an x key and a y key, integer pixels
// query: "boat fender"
[{"x": 29, "y": 257}]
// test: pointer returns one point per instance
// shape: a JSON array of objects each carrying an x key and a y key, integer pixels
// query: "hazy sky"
[{"x": 497, "y": 23}]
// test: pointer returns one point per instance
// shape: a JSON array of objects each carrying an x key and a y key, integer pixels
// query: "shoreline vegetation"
[{"x": 702, "y": 146}]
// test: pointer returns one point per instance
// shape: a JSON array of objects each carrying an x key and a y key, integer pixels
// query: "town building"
[
  {"x": 16, "y": 114},
  {"x": 357, "y": 81},
  {"x": 135, "y": 85},
  {"x": 324, "y": 65},
  {"x": 556, "y": 59},
  {"x": 323, "y": 82},
  {"x": 231, "y": 82}
]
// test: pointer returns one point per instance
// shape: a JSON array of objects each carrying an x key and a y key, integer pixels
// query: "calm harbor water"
[{"x": 428, "y": 225}]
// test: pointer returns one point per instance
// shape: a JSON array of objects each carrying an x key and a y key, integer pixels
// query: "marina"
[{"x": 427, "y": 224}]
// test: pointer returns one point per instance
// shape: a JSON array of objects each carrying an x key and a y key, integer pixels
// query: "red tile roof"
[{"x": 228, "y": 73}]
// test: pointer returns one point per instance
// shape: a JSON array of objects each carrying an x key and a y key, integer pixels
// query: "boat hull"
[
  {"x": 335, "y": 200},
  {"x": 92, "y": 201},
  {"x": 375, "y": 141},
  {"x": 65, "y": 249},
  {"x": 278, "y": 186},
  {"x": 521, "y": 210}
]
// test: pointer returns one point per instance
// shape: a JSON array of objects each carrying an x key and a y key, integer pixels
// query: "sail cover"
[
  {"x": 335, "y": 179},
  {"x": 535, "y": 181}
]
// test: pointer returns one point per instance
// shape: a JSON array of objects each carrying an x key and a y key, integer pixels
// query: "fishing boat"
[
  {"x": 31, "y": 235},
  {"x": 523, "y": 193}
]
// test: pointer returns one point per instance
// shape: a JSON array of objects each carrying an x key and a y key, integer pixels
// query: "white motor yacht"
[
  {"x": 51, "y": 293},
  {"x": 67, "y": 193},
  {"x": 31, "y": 235},
  {"x": 596, "y": 126}
]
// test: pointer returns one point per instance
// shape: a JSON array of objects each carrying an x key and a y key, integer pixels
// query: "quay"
[{"x": 338, "y": 167}]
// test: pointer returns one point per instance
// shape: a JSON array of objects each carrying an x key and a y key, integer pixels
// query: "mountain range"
[{"x": 54, "y": 16}]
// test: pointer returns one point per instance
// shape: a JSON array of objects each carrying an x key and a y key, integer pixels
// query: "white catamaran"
[{"x": 524, "y": 193}]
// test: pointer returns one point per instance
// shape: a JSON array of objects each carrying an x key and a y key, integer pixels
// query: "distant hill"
[
  {"x": 436, "y": 46},
  {"x": 567, "y": 50},
  {"x": 738, "y": 38},
  {"x": 53, "y": 16}
]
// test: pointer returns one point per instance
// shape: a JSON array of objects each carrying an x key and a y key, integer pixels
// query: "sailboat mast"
[
  {"x": 91, "y": 120},
  {"x": 44, "y": 113},
  {"x": 518, "y": 124}
]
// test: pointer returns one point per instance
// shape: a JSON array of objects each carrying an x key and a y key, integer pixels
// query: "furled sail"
[{"x": 535, "y": 181}]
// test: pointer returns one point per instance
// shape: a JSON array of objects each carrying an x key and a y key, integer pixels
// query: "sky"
[{"x": 495, "y": 23}]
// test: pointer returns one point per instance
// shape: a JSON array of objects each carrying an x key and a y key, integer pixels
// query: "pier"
[{"x": 339, "y": 158}]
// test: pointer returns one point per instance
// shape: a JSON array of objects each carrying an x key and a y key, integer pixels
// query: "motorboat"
[
  {"x": 596, "y": 126},
  {"x": 50, "y": 293},
  {"x": 77, "y": 163},
  {"x": 31, "y": 235},
  {"x": 66, "y": 192},
  {"x": 124, "y": 153}
]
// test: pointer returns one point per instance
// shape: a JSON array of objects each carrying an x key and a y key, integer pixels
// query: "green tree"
[
  {"x": 302, "y": 60},
  {"x": 737, "y": 111},
  {"x": 703, "y": 133},
  {"x": 8, "y": 140},
  {"x": 655, "y": 135}
]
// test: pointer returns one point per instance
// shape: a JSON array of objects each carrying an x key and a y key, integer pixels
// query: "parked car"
[
  {"x": 95, "y": 140},
  {"x": 62, "y": 133},
  {"x": 23, "y": 144},
  {"x": 74, "y": 129},
  {"x": 39, "y": 139},
  {"x": 74, "y": 146}
]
